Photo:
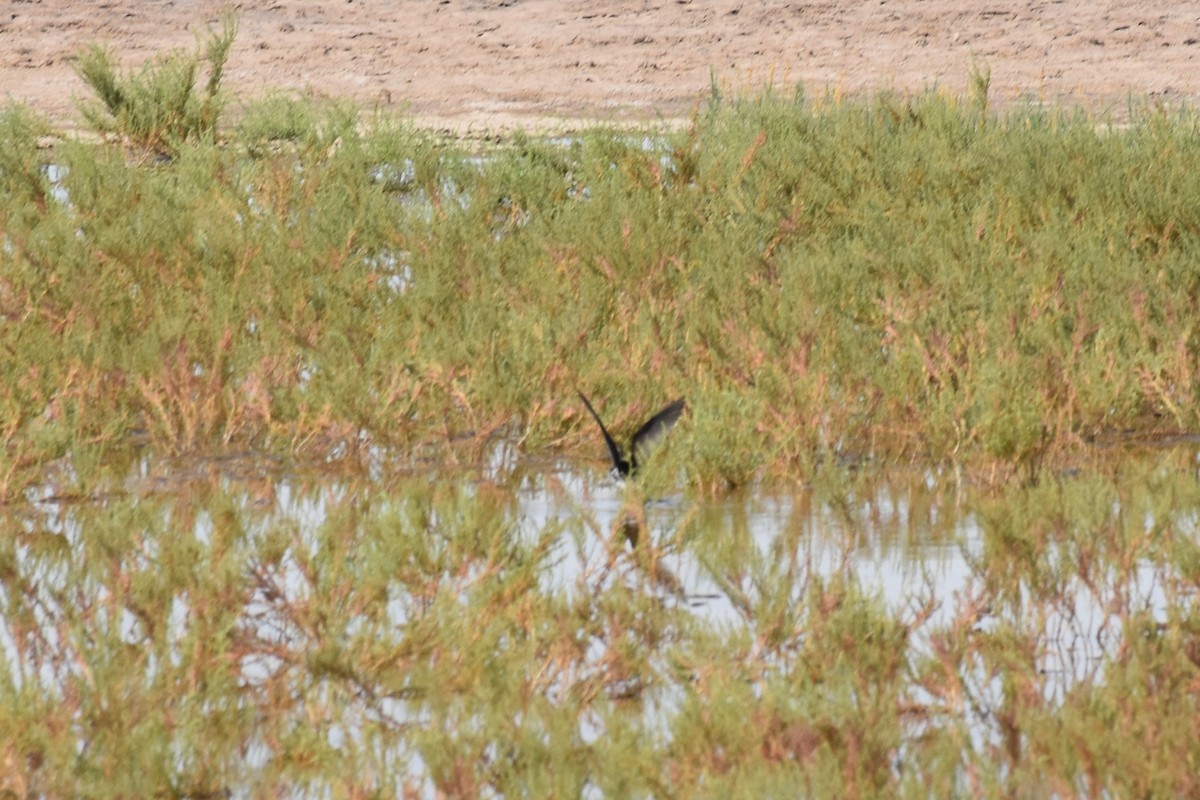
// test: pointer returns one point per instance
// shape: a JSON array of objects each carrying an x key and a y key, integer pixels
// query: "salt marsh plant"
[
  {"x": 241, "y": 628},
  {"x": 900, "y": 280},
  {"x": 160, "y": 106},
  {"x": 246, "y": 545}
]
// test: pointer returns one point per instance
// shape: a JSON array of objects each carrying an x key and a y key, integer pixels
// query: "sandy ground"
[{"x": 487, "y": 64}]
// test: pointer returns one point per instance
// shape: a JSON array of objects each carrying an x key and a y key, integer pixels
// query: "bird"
[{"x": 651, "y": 431}]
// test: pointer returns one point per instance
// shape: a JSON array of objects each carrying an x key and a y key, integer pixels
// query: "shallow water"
[
  {"x": 929, "y": 549},
  {"x": 913, "y": 541}
]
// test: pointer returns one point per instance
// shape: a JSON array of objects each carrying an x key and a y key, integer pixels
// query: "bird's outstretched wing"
[
  {"x": 619, "y": 463},
  {"x": 655, "y": 427}
]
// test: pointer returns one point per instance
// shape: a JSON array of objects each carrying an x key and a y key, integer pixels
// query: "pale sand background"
[{"x": 482, "y": 64}]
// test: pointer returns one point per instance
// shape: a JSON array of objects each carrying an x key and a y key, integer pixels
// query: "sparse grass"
[{"x": 838, "y": 288}]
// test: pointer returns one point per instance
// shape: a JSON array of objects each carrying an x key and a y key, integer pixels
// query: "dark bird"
[{"x": 648, "y": 434}]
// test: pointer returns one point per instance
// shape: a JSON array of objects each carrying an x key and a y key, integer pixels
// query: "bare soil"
[{"x": 492, "y": 64}]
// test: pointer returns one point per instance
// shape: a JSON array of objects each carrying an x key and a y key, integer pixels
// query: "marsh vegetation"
[{"x": 257, "y": 537}]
